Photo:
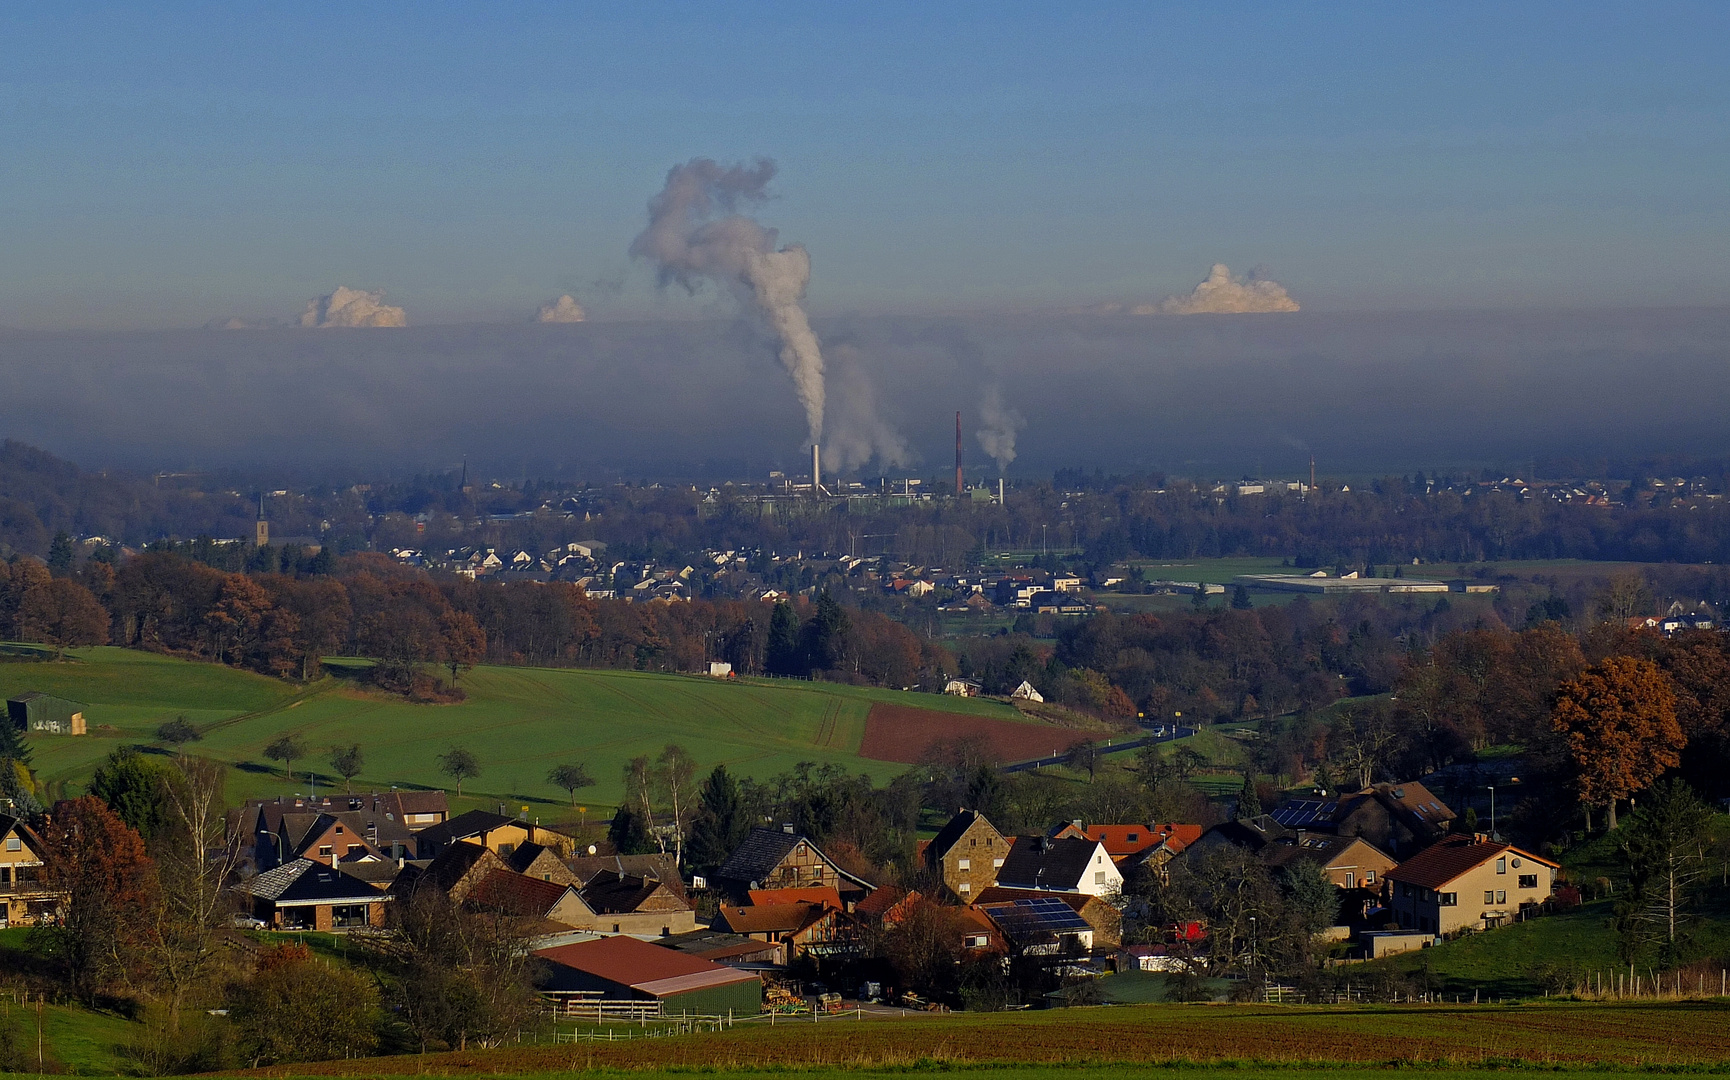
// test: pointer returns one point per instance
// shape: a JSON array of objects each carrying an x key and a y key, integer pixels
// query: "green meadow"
[{"x": 518, "y": 721}]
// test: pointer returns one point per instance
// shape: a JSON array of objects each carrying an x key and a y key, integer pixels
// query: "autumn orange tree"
[
  {"x": 110, "y": 885},
  {"x": 1618, "y": 718}
]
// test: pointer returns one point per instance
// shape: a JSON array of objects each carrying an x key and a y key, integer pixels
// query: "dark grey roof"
[
  {"x": 758, "y": 855},
  {"x": 947, "y": 836},
  {"x": 461, "y": 827},
  {"x": 1252, "y": 833},
  {"x": 303, "y": 880},
  {"x": 1040, "y": 862}
]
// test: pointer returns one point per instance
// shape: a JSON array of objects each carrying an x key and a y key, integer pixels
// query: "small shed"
[{"x": 50, "y": 715}]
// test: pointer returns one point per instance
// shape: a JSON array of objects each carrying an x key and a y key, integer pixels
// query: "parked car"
[{"x": 247, "y": 922}]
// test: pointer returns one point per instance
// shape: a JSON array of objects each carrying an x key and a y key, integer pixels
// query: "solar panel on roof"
[{"x": 1025, "y": 918}]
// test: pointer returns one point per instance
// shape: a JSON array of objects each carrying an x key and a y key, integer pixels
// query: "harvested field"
[
  {"x": 904, "y": 734},
  {"x": 1570, "y": 1034}
]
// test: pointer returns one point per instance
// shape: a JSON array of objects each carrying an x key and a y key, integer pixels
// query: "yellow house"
[
  {"x": 497, "y": 833},
  {"x": 25, "y": 897},
  {"x": 1467, "y": 883}
]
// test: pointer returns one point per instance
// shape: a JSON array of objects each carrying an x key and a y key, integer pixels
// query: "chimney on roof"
[{"x": 787, "y": 827}]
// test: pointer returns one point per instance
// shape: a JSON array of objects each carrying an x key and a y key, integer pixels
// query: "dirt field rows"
[
  {"x": 904, "y": 734},
  {"x": 1661, "y": 1035}
]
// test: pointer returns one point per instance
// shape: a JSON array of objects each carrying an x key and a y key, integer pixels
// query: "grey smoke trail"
[
  {"x": 997, "y": 437},
  {"x": 689, "y": 243},
  {"x": 857, "y": 432}
]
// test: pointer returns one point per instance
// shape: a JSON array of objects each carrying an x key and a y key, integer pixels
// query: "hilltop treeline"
[{"x": 284, "y": 624}]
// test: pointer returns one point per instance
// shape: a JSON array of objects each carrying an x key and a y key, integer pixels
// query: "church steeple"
[{"x": 263, "y": 536}]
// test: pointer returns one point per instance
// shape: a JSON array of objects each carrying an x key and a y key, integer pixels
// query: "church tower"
[{"x": 263, "y": 537}]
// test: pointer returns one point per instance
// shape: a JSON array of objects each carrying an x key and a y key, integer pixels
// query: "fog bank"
[{"x": 1208, "y": 395}]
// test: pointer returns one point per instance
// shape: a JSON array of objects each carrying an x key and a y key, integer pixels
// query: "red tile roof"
[
  {"x": 1442, "y": 862},
  {"x": 630, "y": 962},
  {"x": 815, "y": 894},
  {"x": 517, "y": 894},
  {"x": 882, "y": 901},
  {"x": 771, "y": 918},
  {"x": 1125, "y": 840}
]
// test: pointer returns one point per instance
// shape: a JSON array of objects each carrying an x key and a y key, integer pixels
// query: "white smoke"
[
  {"x": 689, "y": 244},
  {"x": 997, "y": 437},
  {"x": 563, "y": 310},
  {"x": 856, "y": 433},
  {"x": 1222, "y": 294},
  {"x": 352, "y": 307}
]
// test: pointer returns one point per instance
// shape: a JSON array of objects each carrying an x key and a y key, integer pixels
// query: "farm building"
[
  {"x": 626, "y": 968},
  {"x": 49, "y": 715}
]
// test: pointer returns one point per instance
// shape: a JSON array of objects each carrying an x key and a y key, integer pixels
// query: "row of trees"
[{"x": 284, "y": 625}]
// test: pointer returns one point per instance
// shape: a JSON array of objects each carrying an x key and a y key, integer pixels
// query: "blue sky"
[{"x": 165, "y": 164}]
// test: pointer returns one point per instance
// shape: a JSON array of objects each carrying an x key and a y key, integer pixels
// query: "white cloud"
[
  {"x": 348, "y": 307},
  {"x": 563, "y": 310},
  {"x": 1222, "y": 294}
]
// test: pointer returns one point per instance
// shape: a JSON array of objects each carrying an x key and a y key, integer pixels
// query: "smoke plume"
[
  {"x": 563, "y": 310},
  {"x": 352, "y": 307},
  {"x": 1222, "y": 294},
  {"x": 689, "y": 244},
  {"x": 857, "y": 433},
  {"x": 997, "y": 437}
]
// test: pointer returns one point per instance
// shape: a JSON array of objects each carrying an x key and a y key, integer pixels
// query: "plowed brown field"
[
  {"x": 900, "y": 733},
  {"x": 1540, "y": 1035}
]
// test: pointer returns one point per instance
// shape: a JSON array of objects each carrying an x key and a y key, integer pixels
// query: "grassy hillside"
[{"x": 518, "y": 721}]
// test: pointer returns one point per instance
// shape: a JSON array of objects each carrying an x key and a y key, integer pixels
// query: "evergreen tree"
[
  {"x": 1248, "y": 802},
  {"x": 826, "y": 634},
  {"x": 722, "y": 822},
  {"x": 1240, "y": 599},
  {"x": 12, "y": 744},
  {"x": 783, "y": 656},
  {"x": 60, "y": 552},
  {"x": 627, "y": 833}
]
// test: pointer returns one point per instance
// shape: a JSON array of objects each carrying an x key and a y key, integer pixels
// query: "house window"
[
  {"x": 352, "y": 848},
  {"x": 506, "y": 849},
  {"x": 1528, "y": 881},
  {"x": 339, "y": 830},
  {"x": 1489, "y": 896},
  {"x": 977, "y": 941},
  {"x": 963, "y": 864},
  {"x": 615, "y": 928},
  {"x": 324, "y": 851},
  {"x": 1447, "y": 899},
  {"x": 965, "y": 887},
  {"x": 1099, "y": 877},
  {"x": 14, "y": 844},
  {"x": 1351, "y": 880},
  {"x": 1501, "y": 866},
  {"x": 1501, "y": 897},
  {"x": 348, "y": 916},
  {"x": 1133, "y": 837},
  {"x": 1369, "y": 877},
  {"x": 972, "y": 842},
  {"x": 996, "y": 864}
]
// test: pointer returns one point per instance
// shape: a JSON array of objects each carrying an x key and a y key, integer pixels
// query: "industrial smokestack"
[
  {"x": 957, "y": 454},
  {"x": 1312, "y": 475},
  {"x": 1000, "y": 491},
  {"x": 816, "y": 470}
]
